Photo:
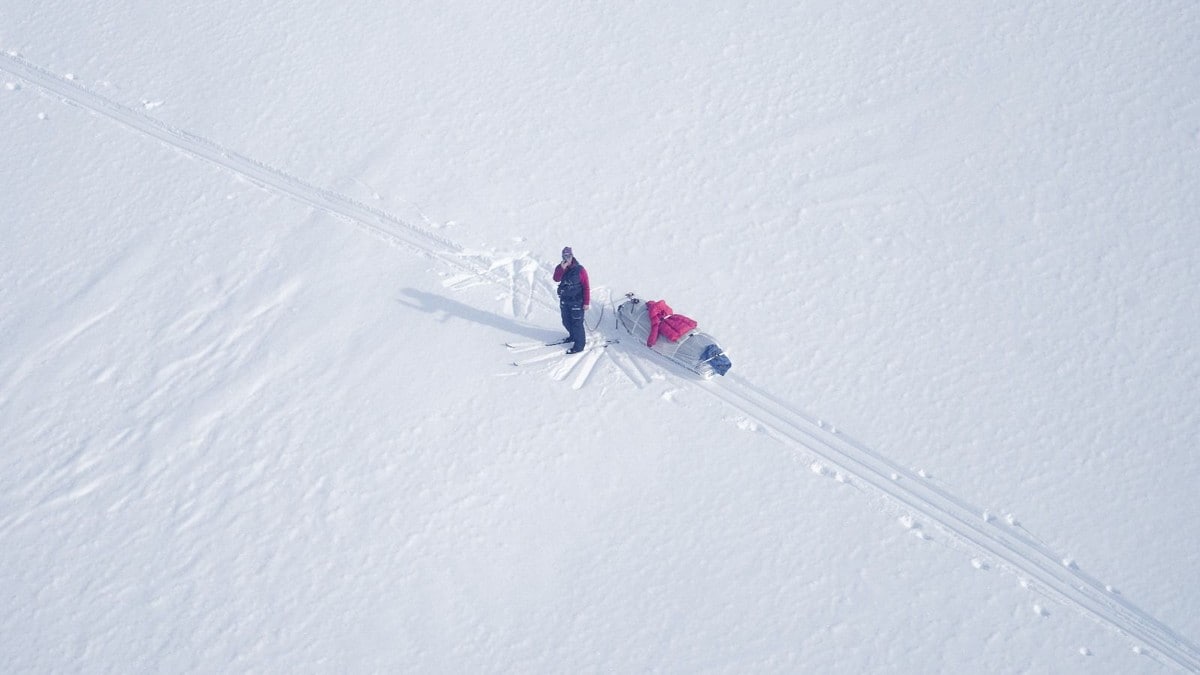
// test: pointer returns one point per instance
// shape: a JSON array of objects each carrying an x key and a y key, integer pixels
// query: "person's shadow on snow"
[{"x": 444, "y": 308}]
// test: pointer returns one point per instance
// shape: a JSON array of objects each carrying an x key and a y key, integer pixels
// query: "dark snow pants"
[{"x": 572, "y": 320}]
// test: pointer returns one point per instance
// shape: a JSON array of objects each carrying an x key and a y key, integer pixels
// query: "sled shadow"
[{"x": 444, "y": 308}]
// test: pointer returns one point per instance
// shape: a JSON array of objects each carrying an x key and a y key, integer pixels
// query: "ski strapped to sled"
[{"x": 696, "y": 351}]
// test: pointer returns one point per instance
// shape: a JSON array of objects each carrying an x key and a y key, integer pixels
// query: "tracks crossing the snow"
[
  {"x": 1007, "y": 544},
  {"x": 376, "y": 222}
]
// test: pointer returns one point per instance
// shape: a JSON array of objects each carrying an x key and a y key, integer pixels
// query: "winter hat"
[{"x": 567, "y": 252}]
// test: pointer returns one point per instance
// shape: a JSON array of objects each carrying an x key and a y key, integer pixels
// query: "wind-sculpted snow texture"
[
  {"x": 971, "y": 529},
  {"x": 238, "y": 435}
]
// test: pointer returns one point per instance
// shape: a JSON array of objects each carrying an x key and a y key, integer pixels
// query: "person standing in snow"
[{"x": 574, "y": 297}]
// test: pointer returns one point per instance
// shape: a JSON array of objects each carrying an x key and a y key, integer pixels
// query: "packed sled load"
[{"x": 673, "y": 335}]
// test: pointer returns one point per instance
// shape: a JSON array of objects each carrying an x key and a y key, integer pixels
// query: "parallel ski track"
[
  {"x": 1011, "y": 547},
  {"x": 376, "y": 222}
]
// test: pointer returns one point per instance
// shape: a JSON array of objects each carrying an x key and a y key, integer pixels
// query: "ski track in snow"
[{"x": 989, "y": 540}]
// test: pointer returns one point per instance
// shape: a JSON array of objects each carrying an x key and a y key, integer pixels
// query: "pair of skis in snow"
[
  {"x": 520, "y": 347},
  {"x": 594, "y": 341}
]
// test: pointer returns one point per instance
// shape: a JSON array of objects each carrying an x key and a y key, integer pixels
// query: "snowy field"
[{"x": 259, "y": 263}]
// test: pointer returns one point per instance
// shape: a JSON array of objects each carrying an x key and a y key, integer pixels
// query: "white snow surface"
[{"x": 258, "y": 263}]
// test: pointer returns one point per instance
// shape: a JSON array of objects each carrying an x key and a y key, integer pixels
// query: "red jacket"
[
  {"x": 664, "y": 320},
  {"x": 559, "y": 271}
]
